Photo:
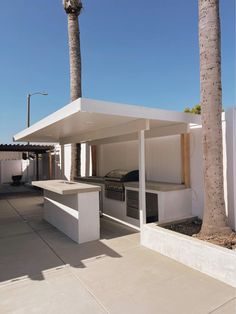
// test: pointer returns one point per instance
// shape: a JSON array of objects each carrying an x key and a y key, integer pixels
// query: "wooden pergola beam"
[{"x": 94, "y": 159}]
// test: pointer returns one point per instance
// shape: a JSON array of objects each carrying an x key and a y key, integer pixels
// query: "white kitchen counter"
[
  {"x": 174, "y": 200},
  {"x": 157, "y": 186},
  {"x": 65, "y": 187},
  {"x": 72, "y": 207}
]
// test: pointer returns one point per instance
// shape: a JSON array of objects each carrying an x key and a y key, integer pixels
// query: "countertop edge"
[{"x": 61, "y": 191}]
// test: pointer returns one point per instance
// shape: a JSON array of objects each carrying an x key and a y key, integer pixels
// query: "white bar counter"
[{"x": 72, "y": 207}]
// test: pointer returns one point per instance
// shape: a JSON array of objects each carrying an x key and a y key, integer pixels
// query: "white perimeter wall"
[
  {"x": 65, "y": 164},
  {"x": 8, "y": 168},
  {"x": 26, "y": 168},
  {"x": 231, "y": 164},
  {"x": 196, "y": 168}
]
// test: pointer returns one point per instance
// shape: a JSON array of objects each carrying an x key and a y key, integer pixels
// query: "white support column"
[
  {"x": 142, "y": 183},
  {"x": 62, "y": 161},
  {"x": 87, "y": 159}
]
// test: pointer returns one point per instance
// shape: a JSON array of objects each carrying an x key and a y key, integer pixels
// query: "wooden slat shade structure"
[
  {"x": 39, "y": 149},
  {"x": 185, "y": 156},
  {"x": 29, "y": 148}
]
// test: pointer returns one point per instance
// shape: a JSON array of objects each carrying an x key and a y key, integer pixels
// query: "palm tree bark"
[
  {"x": 75, "y": 57},
  {"x": 73, "y": 9},
  {"x": 214, "y": 218}
]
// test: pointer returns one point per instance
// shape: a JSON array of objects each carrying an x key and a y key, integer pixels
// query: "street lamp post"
[
  {"x": 28, "y": 125},
  {"x": 28, "y": 104}
]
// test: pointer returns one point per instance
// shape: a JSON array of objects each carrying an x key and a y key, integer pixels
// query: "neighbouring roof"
[
  {"x": 25, "y": 148},
  {"x": 88, "y": 120}
]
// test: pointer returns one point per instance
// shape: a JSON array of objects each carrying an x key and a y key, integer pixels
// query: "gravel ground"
[{"x": 193, "y": 227}]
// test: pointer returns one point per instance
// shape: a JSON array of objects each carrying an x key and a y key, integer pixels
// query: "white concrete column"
[
  {"x": 87, "y": 159},
  {"x": 142, "y": 183}
]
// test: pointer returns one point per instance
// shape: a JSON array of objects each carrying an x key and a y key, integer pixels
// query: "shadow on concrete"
[
  {"x": 30, "y": 246},
  {"x": 22, "y": 190}
]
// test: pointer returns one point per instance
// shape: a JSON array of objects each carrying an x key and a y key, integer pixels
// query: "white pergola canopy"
[
  {"x": 90, "y": 120},
  {"x": 86, "y": 120}
]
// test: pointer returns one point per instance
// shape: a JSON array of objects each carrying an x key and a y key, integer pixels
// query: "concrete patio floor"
[{"x": 43, "y": 271}]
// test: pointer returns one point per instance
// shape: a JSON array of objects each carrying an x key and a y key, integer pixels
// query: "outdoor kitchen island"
[{"x": 72, "y": 207}]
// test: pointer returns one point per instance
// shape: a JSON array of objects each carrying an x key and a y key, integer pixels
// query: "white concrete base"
[
  {"x": 117, "y": 210},
  {"x": 215, "y": 261},
  {"x": 172, "y": 205},
  {"x": 76, "y": 215}
]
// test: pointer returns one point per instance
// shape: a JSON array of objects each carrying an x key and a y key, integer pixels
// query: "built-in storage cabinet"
[{"x": 132, "y": 205}]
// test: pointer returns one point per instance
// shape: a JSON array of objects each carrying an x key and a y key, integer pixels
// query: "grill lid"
[{"x": 122, "y": 175}]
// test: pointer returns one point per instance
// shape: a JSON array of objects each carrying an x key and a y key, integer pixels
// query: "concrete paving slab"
[
  {"x": 228, "y": 308},
  {"x": 112, "y": 229},
  {"x": 27, "y": 205},
  {"x": 143, "y": 281},
  {"x": 7, "y": 215},
  {"x": 6, "y": 209},
  {"x": 77, "y": 255},
  {"x": 37, "y": 223},
  {"x": 4, "y": 204},
  {"x": 59, "y": 292},
  {"x": 122, "y": 244},
  {"x": 14, "y": 228},
  {"x": 25, "y": 255},
  {"x": 8, "y": 190}
]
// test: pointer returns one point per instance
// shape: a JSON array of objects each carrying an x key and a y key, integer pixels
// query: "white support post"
[
  {"x": 87, "y": 159},
  {"x": 142, "y": 183},
  {"x": 62, "y": 161}
]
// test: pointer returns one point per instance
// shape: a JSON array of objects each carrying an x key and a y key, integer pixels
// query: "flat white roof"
[{"x": 87, "y": 120}]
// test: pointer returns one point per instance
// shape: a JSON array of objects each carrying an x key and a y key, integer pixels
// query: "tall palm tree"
[
  {"x": 73, "y": 9},
  {"x": 214, "y": 218}
]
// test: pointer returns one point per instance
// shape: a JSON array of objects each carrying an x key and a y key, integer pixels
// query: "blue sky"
[{"x": 137, "y": 52}]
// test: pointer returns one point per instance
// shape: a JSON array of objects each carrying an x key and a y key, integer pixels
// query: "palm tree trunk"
[
  {"x": 75, "y": 56},
  {"x": 73, "y": 9},
  {"x": 214, "y": 218}
]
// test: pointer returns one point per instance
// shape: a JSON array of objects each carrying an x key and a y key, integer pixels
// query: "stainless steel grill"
[{"x": 114, "y": 183}]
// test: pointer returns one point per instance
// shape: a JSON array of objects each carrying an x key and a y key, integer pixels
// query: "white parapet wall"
[{"x": 210, "y": 259}]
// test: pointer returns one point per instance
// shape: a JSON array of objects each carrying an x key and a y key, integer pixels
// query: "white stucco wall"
[
  {"x": 163, "y": 158},
  {"x": 196, "y": 171},
  {"x": 65, "y": 165},
  {"x": 8, "y": 168},
  {"x": 231, "y": 164},
  {"x": 67, "y": 161},
  {"x": 10, "y": 155},
  {"x": 117, "y": 156},
  {"x": 196, "y": 168},
  {"x": 26, "y": 168}
]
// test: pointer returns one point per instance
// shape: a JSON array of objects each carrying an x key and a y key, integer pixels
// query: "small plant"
[{"x": 196, "y": 109}]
